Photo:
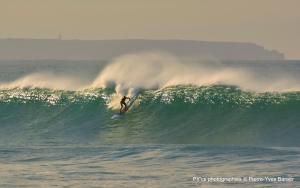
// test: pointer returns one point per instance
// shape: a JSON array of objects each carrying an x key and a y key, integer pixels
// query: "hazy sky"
[{"x": 274, "y": 24}]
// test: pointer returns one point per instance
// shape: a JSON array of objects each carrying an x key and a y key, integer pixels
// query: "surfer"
[{"x": 123, "y": 104}]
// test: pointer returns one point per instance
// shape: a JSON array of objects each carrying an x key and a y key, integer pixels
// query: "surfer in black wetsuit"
[{"x": 123, "y": 104}]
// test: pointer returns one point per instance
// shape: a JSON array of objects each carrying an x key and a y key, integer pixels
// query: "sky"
[{"x": 274, "y": 24}]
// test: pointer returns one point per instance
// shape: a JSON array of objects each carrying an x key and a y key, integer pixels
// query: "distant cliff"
[{"x": 14, "y": 49}]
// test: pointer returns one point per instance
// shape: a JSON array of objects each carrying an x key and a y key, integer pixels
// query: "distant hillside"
[{"x": 14, "y": 49}]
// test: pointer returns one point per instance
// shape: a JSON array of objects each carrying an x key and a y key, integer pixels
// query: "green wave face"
[{"x": 213, "y": 115}]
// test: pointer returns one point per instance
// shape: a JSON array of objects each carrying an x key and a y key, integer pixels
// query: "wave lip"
[{"x": 44, "y": 80}]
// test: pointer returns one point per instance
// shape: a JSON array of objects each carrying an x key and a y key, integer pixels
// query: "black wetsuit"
[{"x": 122, "y": 102}]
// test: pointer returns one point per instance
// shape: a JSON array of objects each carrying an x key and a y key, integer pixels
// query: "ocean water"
[{"x": 194, "y": 124}]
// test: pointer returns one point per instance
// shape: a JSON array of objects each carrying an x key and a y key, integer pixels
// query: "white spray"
[
  {"x": 156, "y": 71},
  {"x": 132, "y": 72}
]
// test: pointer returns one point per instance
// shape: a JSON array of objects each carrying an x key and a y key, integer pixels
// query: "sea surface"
[{"x": 220, "y": 124}]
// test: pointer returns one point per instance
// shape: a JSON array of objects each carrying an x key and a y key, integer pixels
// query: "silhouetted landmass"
[{"x": 14, "y": 49}]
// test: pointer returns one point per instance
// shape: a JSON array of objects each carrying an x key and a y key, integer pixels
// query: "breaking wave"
[
  {"x": 218, "y": 115},
  {"x": 130, "y": 73}
]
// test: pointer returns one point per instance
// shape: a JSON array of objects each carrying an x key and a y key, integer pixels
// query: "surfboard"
[
  {"x": 117, "y": 116},
  {"x": 129, "y": 104}
]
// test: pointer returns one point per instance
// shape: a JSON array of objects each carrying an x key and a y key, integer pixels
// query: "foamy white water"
[{"x": 132, "y": 72}]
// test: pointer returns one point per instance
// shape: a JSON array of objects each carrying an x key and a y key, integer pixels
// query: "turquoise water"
[
  {"x": 65, "y": 137},
  {"x": 216, "y": 115},
  {"x": 144, "y": 165}
]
